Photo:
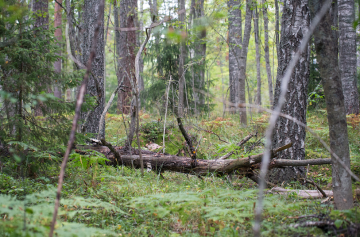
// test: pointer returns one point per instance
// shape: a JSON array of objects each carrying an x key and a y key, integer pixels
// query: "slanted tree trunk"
[
  {"x": 197, "y": 12},
  {"x": 95, "y": 86},
  {"x": 126, "y": 50},
  {"x": 243, "y": 58},
  {"x": 235, "y": 41},
  {"x": 58, "y": 36},
  {"x": 326, "y": 45},
  {"x": 182, "y": 15},
  {"x": 295, "y": 23},
  {"x": 258, "y": 72},
  {"x": 347, "y": 51},
  {"x": 267, "y": 56}
]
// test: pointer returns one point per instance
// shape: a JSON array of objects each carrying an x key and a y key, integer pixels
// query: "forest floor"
[{"x": 117, "y": 201}]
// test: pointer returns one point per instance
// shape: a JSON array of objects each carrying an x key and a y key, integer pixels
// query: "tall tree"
[
  {"x": 182, "y": 15},
  {"x": 95, "y": 86},
  {"x": 295, "y": 23},
  {"x": 58, "y": 36},
  {"x": 41, "y": 11},
  {"x": 266, "y": 49},
  {"x": 326, "y": 45},
  {"x": 126, "y": 51},
  {"x": 257, "y": 48},
  {"x": 243, "y": 59},
  {"x": 235, "y": 41},
  {"x": 347, "y": 50},
  {"x": 197, "y": 14}
]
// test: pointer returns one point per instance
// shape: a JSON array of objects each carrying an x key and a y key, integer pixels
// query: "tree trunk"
[
  {"x": 181, "y": 6},
  {"x": 58, "y": 36},
  {"x": 326, "y": 45},
  {"x": 95, "y": 86},
  {"x": 258, "y": 72},
  {"x": 41, "y": 11},
  {"x": 277, "y": 29},
  {"x": 243, "y": 58},
  {"x": 295, "y": 23},
  {"x": 126, "y": 50},
  {"x": 197, "y": 12},
  {"x": 235, "y": 41},
  {"x": 347, "y": 51},
  {"x": 267, "y": 56}
]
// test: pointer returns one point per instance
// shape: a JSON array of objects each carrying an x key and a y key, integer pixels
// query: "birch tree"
[
  {"x": 295, "y": 23},
  {"x": 235, "y": 41},
  {"x": 182, "y": 15},
  {"x": 347, "y": 53}
]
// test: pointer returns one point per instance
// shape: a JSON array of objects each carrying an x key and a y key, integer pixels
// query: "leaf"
[{"x": 338, "y": 223}]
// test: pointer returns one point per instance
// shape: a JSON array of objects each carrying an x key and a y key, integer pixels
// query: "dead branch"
[
  {"x": 112, "y": 149},
  {"x": 188, "y": 141},
  {"x": 284, "y": 163},
  {"x": 316, "y": 186}
]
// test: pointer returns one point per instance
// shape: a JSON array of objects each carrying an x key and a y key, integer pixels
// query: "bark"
[
  {"x": 198, "y": 13},
  {"x": 295, "y": 23},
  {"x": 126, "y": 51},
  {"x": 95, "y": 86},
  {"x": 58, "y": 36},
  {"x": 347, "y": 52},
  {"x": 235, "y": 41},
  {"x": 41, "y": 10},
  {"x": 258, "y": 72},
  {"x": 326, "y": 46},
  {"x": 181, "y": 6},
  {"x": 243, "y": 58},
  {"x": 267, "y": 56}
]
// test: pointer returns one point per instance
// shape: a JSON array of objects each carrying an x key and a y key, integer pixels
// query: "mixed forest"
[{"x": 179, "y": 118}]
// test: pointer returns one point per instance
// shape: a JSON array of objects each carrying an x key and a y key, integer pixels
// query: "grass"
[{"x": 100, "y": 200}]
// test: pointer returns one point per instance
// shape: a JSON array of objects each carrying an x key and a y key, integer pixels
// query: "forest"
[{"x": 179, "y": 118}]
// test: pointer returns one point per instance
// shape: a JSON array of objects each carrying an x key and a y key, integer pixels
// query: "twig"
[
  {"x": 317, "y": 186},
  {"x": 211, "y": 132},
  {"x": 284, "y": 85},
  {"x": 79, "y": 102}
]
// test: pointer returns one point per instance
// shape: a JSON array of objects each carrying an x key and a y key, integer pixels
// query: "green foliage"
[
  {"x": 152, "y": 130},
  {"x": 86, "y": 161}
]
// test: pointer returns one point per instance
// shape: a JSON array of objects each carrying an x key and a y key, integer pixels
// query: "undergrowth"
[{"x": 101, "y": 200}]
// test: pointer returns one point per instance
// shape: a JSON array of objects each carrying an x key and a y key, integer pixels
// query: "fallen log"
[
  {"x": 301, "y": 193},
  {"x": 161, "y": 162}
]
